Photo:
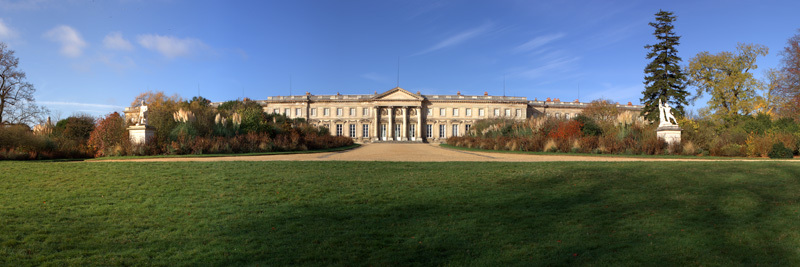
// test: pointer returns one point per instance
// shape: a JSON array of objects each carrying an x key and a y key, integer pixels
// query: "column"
[
  {"x": 419, "y": 124},
  {"x": 376, "y": 124},
  {"x": 404, "y": 133},
  {"x": 390, "y": 129}
]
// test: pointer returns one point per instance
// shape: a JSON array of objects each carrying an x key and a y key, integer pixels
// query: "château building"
[{"x": 399, "y": 115}]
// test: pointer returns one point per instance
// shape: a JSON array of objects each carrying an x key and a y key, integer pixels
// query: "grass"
[
  {"x": 598, "y": 155},
  {"x": 232, "y": 154},
  {"x": 395, "y": 213}
]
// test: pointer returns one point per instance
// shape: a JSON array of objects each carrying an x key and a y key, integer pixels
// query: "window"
[
  {"x": 468, "y": 112},
  {"x": 298, "y": 112},
  {"x": 276, "y": 111},
  {"x": 365, "y": 112},
  {"x": 430, "y": 111},
  {"x": 455, "y": 112},
  {"x": 442, "y": 112},
  {"x": 508, "y": 112},
  {"x": 287, "y": 111},
  {"x": 412, "y": 130},
  {"x": 480, "y": 112},
  {"x": 566, "y": 116},
  {"x": 338, "y": 112},
  {"x": 352, "y": 112},
  {"x": 467, "y": 127},
  {"x": 558, "y": 115},
  {"x": 313, "y": 112},
  {"x": 442, "y": 129},
  {"x": 455, "y": 129},
  {"x": 383, "y": 131},
  {"x": 519, "y": 113},
  {"x": 352, "y": 131},
  {"x": 429, "y": 130},
  {"x": 326, "y": 112},
  {"x": 338, "y": 130},
  {"x": 365, "y": 130},
  {"x": 497, "y": 112}
]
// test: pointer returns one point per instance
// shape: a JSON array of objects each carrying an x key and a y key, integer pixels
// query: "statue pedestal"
[
  {"x": 670, "y": 133},
  {"x": 141, "y": 134}
]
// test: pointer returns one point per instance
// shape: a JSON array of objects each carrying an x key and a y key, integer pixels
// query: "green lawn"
[{"x": 383, "y": 213}]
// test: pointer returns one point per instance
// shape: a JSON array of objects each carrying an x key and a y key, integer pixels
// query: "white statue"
[
  {"x": 665, "y": 115},
  {"x": 142, "y": 114}
]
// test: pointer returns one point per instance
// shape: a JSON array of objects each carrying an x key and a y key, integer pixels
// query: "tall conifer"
[{"x": 663, "y": 78}]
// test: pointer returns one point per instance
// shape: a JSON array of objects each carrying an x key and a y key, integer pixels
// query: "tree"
[
  {"x": 16, "y": 94},
  {"x": 109, "y": 136},
  {"x": 727, "y": 79},
  {"x": 663, "y": 78},
  {"x": 788, "y": 87},
  {"x": 160, "y": 110}
]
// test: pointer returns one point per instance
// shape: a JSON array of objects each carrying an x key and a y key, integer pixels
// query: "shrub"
[
  {"x": 779, "y": 151},
  {"x": 587, "y": 144},
  {"x": 109, "y": 137}
]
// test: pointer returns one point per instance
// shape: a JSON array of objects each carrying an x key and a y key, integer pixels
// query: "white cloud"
[
  {"x": 70, "y": 40},
  {"x": 538, "y": 42},
  {"x": 170, "y": 46},
  {"x": 115, "y": 41},
  {"x": 6, "y": 32},
  {"x": 459, "y": 38}
]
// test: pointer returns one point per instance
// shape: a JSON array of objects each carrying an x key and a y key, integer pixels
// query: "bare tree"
[{"x": 16, "y": 94}]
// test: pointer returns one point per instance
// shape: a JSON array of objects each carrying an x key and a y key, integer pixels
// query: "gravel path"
[{"x": 414, "y": 152}]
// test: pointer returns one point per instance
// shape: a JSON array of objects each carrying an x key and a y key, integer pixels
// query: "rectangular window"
[
  {"x": 455, "y": 112},
  {"x": 412, "y": 130},
  {"x": 480, "y": 112},
  {"x": 313, "y": 112},
  {"x": 497, "y": 112},
  {"x": 429, "y": 130},
  {"x": 468, "y": 112},
  {"x": 430, "y": 111},
  {"x": 352, "y": 112},
  {"x": 566, "y": 116},
  {"x": 508, "y": 112},
  {"x": 442, "y": 129},
  {"x": 365, "y": 130},
  {"x": 365, "y": 112},
  {"x": 287, "y": 111},
  {"x": 276, "y": 111},
  {"x": 455, "y": 129},
  {"x": 338, "y": 130},
  {"x": 298, "y": 112},
  {"x": 338, "y": 112},
  {"x": 326, "y": 112},
  {"x": 352, "y": 131},
  {"x": 519, "y": 113},
  {"x": 442, "y": 112},
  {"x": 466, "y": 128}
]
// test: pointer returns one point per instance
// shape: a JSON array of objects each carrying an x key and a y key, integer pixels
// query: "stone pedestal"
[
  {"x": 671, "y": 133},
  {"x": 141, "y": 134}
]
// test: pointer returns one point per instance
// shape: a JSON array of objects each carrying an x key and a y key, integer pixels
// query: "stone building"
[{"x": 399, "y": 115}]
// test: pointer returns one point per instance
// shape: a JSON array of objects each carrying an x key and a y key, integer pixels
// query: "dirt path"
[{"x": 411, "y": 152}]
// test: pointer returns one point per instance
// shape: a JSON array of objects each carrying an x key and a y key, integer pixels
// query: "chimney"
[
  {"x": 548, "y": 99},
  {"x": 459, "y": 93},
  {"x": 418, "y": 93},
  {"x": 307, "y": 93},
  {"x": 630, "y": 104},
  {"x": 485, "y": 93},
  {"x": 576, "y": 101},
  {"x": 557, "y": 100}
]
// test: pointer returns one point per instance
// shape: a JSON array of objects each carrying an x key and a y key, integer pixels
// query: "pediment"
[{"x": 398, "y": 93}]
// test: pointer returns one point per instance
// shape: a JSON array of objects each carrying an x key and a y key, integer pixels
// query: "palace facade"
[{"x": 399, "y": 115}]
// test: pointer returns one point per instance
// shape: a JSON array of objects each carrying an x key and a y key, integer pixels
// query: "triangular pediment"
[{"x": 398, "y": 93}]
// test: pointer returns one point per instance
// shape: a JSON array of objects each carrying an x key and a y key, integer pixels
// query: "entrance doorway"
[
  {"x": 383, "y": 132},
  {"x": 413, "y": 132},
  {"x": 397, "y": 132}
]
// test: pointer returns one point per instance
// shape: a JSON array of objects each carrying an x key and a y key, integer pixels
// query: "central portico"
[{"x": 398, "y": 116}]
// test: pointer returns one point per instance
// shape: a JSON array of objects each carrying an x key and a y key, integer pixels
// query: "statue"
[
  {"x": 142, "y": 114},
  {"x": 665, "y": 115}
]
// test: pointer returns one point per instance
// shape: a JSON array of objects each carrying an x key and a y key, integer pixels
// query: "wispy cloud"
[
  {"x": 538, "y": 42},
  {"x": 459, "y": 38},
  {"x": 115, "y": 41},
  {"x": 557, "y": 66},
  {"x": 6, "y": 32},
  {"x": 71, "y": 42},
  {"x": 375, "y": 77},
  {"x": 170, "y": 46},
  {"x": 78, "y": 104}
]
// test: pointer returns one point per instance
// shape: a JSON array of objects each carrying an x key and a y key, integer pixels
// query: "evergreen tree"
[{"x": 663, "y": 78}]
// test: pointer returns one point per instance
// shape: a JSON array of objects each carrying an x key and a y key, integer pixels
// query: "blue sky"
[{"x": 96, "y": 56}]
